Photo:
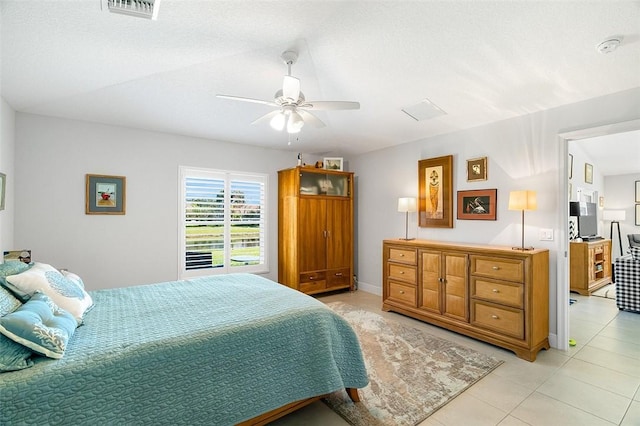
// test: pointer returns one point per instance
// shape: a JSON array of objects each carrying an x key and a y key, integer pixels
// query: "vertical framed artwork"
[
  {"x": 588, "y": 173},
  {"x": 435, "y": 183},
  {"x": 477, "y": 205},
  {"x": 637, "y": 191},
  {"x": 3, "y": 187},
  {"x": 637, "y": 214},
  {"x": 105, "y": 194},
  {"x": 477, "y": 169}
]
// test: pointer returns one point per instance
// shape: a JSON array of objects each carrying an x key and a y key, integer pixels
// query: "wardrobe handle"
[
  {"x": 496, "y": 268},
  {"x": 494, "y": 316}
]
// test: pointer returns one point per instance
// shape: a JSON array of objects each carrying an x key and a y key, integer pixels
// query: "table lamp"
[
  {"x": 523, "y": 200},
  {"x": 615, "y": 216},
  {"x": 406, "y": 205}
]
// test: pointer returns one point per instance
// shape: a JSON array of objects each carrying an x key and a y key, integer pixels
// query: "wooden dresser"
[
  {"x": 589, "y": 265},
  {"x": 491, "y": 293}
]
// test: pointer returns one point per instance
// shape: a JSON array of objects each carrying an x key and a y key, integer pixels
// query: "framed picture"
[
  {"x": 477, "y": 205},
  {"x": 333, "y": 163},
  {"x": 588, "y": 173},
  {"x": 637, "y": 214},
  {"x": 23, "y": 256},
  {"x": 570, "y": 166},
  {"x": 3, "y": 187},
  {"x": 105, "y": 194},
  {"x": 477, "y": 169},
  {"x": 435, "y": 183},
  {"x": 637, "y": 192}
]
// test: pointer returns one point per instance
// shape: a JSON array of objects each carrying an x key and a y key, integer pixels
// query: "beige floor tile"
[
  {"x": 624, "y": 334},
  {"x": 430, "y": 421},
  {"x": 512, "y": 421},
  {"x": 532, "y": 374},
  {"x": 591, "y": 399},
  {"x": 605, "y": 358},
  {"x": 467, "y": 409},
  {"x": 626, "y": 348},
  {"x": 500, "y": 392},
  {"x": 604, "y": 378},
  {"x": 632, "y": 417},
  {"x": 541, "y": 410}
]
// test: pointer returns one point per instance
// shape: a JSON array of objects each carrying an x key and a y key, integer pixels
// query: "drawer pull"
[
  {"x": 311, "y": 277},
  {"x": 401, "y": 254},
  {"x": 338, "y": 274},
  {"x": 401, "y": 272},
  {"x": 401, "y": 291},
  {"x": 496, "y": 268},
  {"x": 495, "y": 290},
  {"x": 495, "y": 317}
]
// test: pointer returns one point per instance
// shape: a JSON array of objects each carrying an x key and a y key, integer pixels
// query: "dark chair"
[
  {"x": 634, "y": 240},
  {"x": 198, "y": 260}
]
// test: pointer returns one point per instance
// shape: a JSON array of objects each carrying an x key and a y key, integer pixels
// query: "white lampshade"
[
  {"x": 523, "y": 200},
  {"x": 614, "y": 215},
  {"x": 278, "y": 121},
  {"x": 295, "y": 122},
  {"x": 406, "y": 205}
]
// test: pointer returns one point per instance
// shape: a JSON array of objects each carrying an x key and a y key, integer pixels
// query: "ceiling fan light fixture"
[
  {"x": 295, "y": 122},
  {"x": 278, "y": 121}
]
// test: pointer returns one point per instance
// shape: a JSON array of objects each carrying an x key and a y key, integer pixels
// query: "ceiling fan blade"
[
  {"x": 310, "y": 119},
  {"x": 255, "y": 101},
  {"x": 291, "y": 88},
  {"x": 329, "y": 105},
  {"x": 267, "y": 117}
]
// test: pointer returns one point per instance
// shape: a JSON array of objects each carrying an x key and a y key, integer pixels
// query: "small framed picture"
[
  {"x": 637, "y": 192},
  {"x": 477, "y": 205},
  {"x": 333, "y": 163},
  {"x": 637, "y": 214},
  {"x": 477, "y": 169},
  {"x": 3, "y": 187},
  {"x": 105, "y": 194},
  {"x": 588, "y": 173}
]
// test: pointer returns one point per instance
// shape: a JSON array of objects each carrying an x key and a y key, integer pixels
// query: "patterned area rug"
[
  {"x": 411, "y": 373},
  {"x": 608, "y": 291}
]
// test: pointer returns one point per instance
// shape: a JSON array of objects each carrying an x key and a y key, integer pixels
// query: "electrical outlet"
[{"x": 546, "y": 234}]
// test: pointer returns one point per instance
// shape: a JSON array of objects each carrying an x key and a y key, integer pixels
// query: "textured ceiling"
[{"x": 480, "y": 61}]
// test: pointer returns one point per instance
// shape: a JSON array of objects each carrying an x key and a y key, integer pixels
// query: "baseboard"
[
  {"x": 369, "y": 288},
  {"x": 553, "y": 340}
]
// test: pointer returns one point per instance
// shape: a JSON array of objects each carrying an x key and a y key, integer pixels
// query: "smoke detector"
[
  {"x": 609, "y": 45},
  {"x": 147, "y": 9}
]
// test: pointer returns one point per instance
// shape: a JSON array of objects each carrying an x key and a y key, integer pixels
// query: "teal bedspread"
[{"x": 208, "y": 351}]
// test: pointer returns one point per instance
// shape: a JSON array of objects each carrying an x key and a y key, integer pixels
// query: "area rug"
[
  {"x": 608, "y": 291},
  {"x": 411, "y": 373}
]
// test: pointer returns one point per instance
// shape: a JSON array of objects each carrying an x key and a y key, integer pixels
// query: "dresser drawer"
[
  {"x": 403, "y": 255},
  {"x": 313, "y": 286},
  {"x": 504, "y": 320},
  {"x": 338, "y": 278},
  {"x": 503, "y": 292},
  {"x": 402, "y": 272},
  {"x": 312, "y": 276},
  {"x": 403, "y": 293},
  {"x": 494, "y": 267}
]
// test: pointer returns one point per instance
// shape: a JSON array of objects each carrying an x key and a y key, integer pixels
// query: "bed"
[{"x": 213, "y": 350}]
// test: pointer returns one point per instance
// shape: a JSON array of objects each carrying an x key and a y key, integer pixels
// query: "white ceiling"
[{"x": 480, "y": 61}]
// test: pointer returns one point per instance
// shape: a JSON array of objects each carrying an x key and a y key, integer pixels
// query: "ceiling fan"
[{"x": 293, "y": 108}]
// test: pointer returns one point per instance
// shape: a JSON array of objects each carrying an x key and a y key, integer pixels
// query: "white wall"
[
  {"x": 7, "y": 143},
  {"x": 620, "y": 195},
  {"x": 52, "y": 157},
  {"x": 523, "y": 153}
]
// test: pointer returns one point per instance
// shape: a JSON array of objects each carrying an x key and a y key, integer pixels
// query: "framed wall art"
[
  {"x": 477, "y": 205},
  {"x": 333, "y": 163},
  {"x": 435, "y": 183},
  {"x": 588, "y": 173},
  {"x": 3, "y": 188},
  {"x": 105, "y": 194},
  {"x": 477, "y": 169},
  {"x": 637, "y": 191},
  {"x": 637, "y": 214}
]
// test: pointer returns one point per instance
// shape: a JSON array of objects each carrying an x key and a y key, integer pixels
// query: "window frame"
[{"x": 227, "y": 176}]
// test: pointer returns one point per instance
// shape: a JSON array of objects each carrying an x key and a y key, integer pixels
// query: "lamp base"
[
  {"x": 522, "y": 248},
  {"x": 406, "y": 239}
]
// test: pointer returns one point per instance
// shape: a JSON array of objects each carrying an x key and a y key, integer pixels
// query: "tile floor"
[{"x": 597, "y": 382}]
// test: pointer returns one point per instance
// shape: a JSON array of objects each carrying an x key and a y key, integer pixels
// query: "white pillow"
[{"x": 65, "y": 293}]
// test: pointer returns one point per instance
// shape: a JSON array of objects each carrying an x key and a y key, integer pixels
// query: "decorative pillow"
[
  {"x": 13, "y": 356},
  {"x": 73, "y": 278},
  {"x": 8, "y": 302},
  {"x": 40, "y": 326},
  {"x": 12, "y": 268},
  {"x": 635, "y": 252},
  {"x": 65, "y": 293}
]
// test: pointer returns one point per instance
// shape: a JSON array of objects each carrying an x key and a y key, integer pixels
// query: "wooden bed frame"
[{"x": 270, "y": 416}]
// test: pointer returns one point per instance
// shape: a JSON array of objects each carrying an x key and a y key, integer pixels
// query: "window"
[{"x": 223, "y": 224}]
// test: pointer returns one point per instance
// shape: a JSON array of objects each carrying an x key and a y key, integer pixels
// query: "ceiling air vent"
[{"x": 139, "y": 8}]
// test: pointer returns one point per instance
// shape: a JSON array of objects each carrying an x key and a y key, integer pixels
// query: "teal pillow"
[
  {"x": 40, "y": 325},
  {"x": 13, "y": 356},
  {"x": 8, "y": 302},
  {"x": 13, "y": 267}
]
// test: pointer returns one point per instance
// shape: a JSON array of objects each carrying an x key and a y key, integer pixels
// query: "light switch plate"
[{"x": 546, "y": 234}]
